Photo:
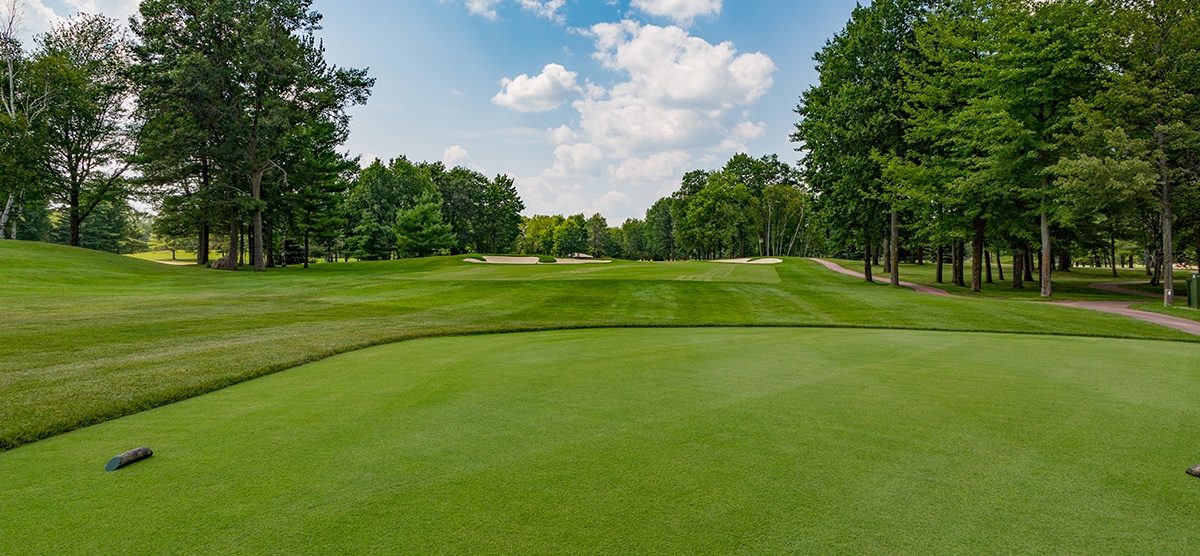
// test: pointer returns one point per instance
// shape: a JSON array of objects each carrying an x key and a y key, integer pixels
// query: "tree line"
[
  {"x": 1036, "y": 129},
  {"x": 749, "y": 207},
  {"x": 223, "y": 112}
]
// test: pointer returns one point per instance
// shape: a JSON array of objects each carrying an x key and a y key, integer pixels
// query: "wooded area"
[
  {"x": 1033, "y": 130},
  {"x": 1039, "y": 133}
]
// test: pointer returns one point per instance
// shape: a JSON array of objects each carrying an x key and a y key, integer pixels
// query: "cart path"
[
  {"x": 918, "y": 287},
  {"x": 1122, "y": 308}
]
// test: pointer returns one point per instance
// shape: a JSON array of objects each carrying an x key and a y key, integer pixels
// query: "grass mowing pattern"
[
  {"x": 673, "y": 441},
  {"x": 90, "y": 336}
]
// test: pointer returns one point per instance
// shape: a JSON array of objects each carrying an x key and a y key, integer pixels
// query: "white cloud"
[
  {"x": 546, "y": 8},
  {"x": 561, "y": 134},
  {"x": 541, "y": 8},
  {"x": 679, "y": 11},
  {"x": 653, "y": 169},
  {"x": 455, "y": 156},
  {"x": 610, "y": 204},
  {"x": 547, "y": 91},
  {"x": 39, "y": 18},
  {"x": 680, "y": 93},
  {"x": 581, "y": 159}
]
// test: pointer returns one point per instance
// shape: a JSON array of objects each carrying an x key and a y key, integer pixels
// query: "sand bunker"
[
  {"x": 494, "y": 259},
  {"x": 750, "y": 261},
  {"x": 578, "y": 261}
]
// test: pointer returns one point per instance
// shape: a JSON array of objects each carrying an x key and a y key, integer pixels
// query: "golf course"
[{"x": 434, "y": 406}]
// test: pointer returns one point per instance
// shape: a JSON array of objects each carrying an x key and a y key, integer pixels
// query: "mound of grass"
[
  {"x": 90, "y": 336},
  {"x": 680, "y": 441}
]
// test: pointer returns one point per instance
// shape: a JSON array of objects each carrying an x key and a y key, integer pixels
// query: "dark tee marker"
[{"x": 128, "y": 458}]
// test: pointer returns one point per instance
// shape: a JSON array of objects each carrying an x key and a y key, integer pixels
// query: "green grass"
[
  {"x": 671, "y": 441},
  {"x": 180, "y": 256},
  {"x": 1074, "y": 285},
  {"x": 90, "y": 336}
]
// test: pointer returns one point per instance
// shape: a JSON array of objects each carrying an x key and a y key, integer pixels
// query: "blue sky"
[{"x": 590, "y": 105}]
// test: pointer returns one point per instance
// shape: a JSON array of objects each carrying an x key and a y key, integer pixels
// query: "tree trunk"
[
  {"x": 867, "y": 258},
  {"x": 202, "y": 245},
  {"x": 1046, "y": 264},
  {"x": 941, "y": 253},
  {"x": 306, "y": 248},
  {"x": 960, "y": 255},
  {"x": 887, "y": 256},
  {"x": 894, "y": 244},
  {"x": 977, "y": 255},
  {"x": 1018, "y": 282},
  {"x": 999, "y": 266},
  {"x": 1064, "y": 260},
  {"x": 1112, "y": 249},
  {"x": 256, "y": 243},
  {"x": 269, "y": 246},
  {"x": 921, "y": 250},
  {"x": 1168, "y": 242},
  {"x": 1156, "y": 262},
  {"x": 12, "y": 199},
  {"x": 987, "y": 263},
  {"x": 1027, "y": 265}
]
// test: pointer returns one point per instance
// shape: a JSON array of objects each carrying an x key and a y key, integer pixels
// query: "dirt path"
[
  {"x": 1114, "y": 307},
  {"x": 918, "y": 287}
]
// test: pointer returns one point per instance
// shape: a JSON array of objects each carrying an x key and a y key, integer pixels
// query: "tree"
[
  {"x": 598, "y": 238},
  {"x": 420, "y": 229},
  {"x": 571, "y": 236},
  {"x": 854, "y": 119},
  {"x": 23, "y": 99},
  {"x": 1152, "y": 97},
  {"x": 258, "y": 76},
  {"x": 497, "y": 220},
  {"x": 89, "y": 136}
]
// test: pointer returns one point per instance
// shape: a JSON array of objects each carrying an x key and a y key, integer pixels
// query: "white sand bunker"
[
  {"x": 769, "y": 260},
  {"x": 496, "y": 259}
]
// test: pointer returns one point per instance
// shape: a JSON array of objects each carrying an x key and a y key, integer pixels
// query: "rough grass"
[
  {"x": 672, "y": 441},
  {"x": 90, "y": 336},
  {"x": 1074, "y": 285}
]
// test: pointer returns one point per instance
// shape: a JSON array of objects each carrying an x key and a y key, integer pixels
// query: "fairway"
[
  {"x": 92, "y": 336},
  {"x": 667, "y": 441}
]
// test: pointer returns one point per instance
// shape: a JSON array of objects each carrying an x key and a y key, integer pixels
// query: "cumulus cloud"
[
  {"x": 655, "y": 168},
  {"x": 581, "y": 159},
  {"x": 680, "y": 11},
  {"x": 547, "y": 91},
  {"x": 455, "y": 156},
  {"x": 610, "y": 204},
  {"x": 38, "y": 18},
  {"x": 680, "y": 93},
  {"x": 561, "y": 134}
]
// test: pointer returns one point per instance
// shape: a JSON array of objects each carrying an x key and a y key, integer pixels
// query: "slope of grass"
[
  {"x": 679, "y": 441},
  {"x": 89, "y": 336},
  {"x": 1074, "y": 285}
]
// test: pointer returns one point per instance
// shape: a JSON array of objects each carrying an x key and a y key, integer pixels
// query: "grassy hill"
[{"x": 90, "y": 336}]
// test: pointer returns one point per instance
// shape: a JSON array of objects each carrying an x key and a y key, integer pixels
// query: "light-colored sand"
[
  {"x": 560, "y": 260},
  {"x": 491, "y": 259},
  {"x": 494, "y": 259},
  {"x": 176, "y": 263},
  {"x": 750, "y": 261}
]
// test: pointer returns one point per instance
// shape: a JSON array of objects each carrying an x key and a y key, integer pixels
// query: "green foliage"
[
  {"x": 420, "y": 230},
  {"x": 571, "y": 236}
]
